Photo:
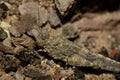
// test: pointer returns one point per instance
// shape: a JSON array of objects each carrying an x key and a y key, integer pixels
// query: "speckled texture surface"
[{"x": 59, "y": 40}]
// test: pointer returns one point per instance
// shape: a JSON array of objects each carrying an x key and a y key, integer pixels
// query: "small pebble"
[{"x": 28, "y": 78}]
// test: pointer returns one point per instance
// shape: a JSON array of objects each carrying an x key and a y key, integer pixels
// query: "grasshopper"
[{"x": 61, "y": 48}]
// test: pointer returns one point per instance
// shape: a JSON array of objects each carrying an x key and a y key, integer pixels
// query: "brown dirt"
[{"x": 94, "y": 25}]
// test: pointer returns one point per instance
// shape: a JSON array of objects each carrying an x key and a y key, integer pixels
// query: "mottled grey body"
[{"x": 62, "y": 49}]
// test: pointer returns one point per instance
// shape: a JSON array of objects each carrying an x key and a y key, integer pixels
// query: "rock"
[
  {"x": 6, "y": 77},
  {"x": 28, "y": 78},
  {"x": 41, "y": 13},
  {"x": 42, "y": 16},
  {"x": 68, "y": 72},
  {"x": 28, "y": 56},
  {"x": 104, "y": 52},
  {"x": 37, "y": 11},
  {"x": 36, "y": 75},
  {"x": 19, "y": 76},
  {"x": 3, "y": 34},
  {"x": 8, "y": 42},
  {"x": 100, "y": 77},
  {"x": 24, "y": 41},
  {"x": 18, "y": 49},
  {"x": 53, "y": 17},
  {"x": 35, "y": 33},
  {"x": 5, "y": 48},
  {"x": 69, "y": 31},
  {"x": 29, "y": 7},
  {"x": 9, "y": 64},
  {"x": 64, "y": 5},
  {"x": 26, "y": 23},
  {"x": 5, "y": 26},
  {"x": 96, "y": 21},
  {"x": 1, "y": 73},
  {"x": 3, "y": 9},
  {"x": 1, "y": 12}
]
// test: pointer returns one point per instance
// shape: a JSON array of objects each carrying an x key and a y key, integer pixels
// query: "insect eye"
[{"x": 44, "y": 36}]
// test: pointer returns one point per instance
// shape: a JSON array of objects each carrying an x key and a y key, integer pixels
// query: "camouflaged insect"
[{"x": 62, "y": 49}]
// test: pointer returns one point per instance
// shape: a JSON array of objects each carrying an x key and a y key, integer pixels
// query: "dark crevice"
[
  {"x": 93, "y": 71},
  {"x": 97, "y": 5},
  {"x": 65, "y": 65},
  {"x": 28, "y": 57},
  {"x": 83, "y": 6},
  {"x": 66, "y": 18},
  {"x": 60, "y": 62}
]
